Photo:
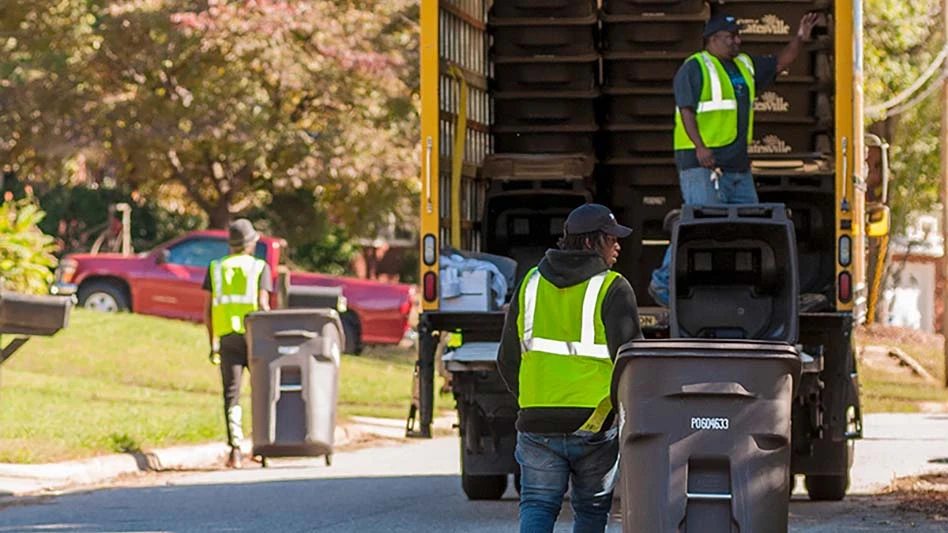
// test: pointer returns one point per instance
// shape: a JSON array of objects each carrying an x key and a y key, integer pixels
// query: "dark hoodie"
[{"x": 620, "y": 316}]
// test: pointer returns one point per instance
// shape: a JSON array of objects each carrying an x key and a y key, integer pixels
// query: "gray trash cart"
[
  {"x": 705, "y": 435},
  {"x": 294, "y": 373}
]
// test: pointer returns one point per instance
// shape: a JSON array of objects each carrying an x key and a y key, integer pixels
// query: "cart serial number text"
[{"x": 720, "y": 424}]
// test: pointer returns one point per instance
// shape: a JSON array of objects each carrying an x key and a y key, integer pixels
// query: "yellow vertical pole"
[
  {"x": 430, "y": 146},
  {"x": 844, "y": 51},
  {"x": 457, "y": 157}
]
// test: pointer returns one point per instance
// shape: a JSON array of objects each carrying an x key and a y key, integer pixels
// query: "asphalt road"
[{"x": 415, "y": 486}]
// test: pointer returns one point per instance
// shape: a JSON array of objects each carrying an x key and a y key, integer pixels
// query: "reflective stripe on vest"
[
  {"x": 230, "y": 301},
  {"x": 716, "y": 113},
  {"x": 586, "y": 347}
]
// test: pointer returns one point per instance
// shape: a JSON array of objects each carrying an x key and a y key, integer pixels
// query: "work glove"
[{"x": 215, "y": 356}]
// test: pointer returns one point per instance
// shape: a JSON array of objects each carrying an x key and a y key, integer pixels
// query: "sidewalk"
[{"x": 38, "y": 479}]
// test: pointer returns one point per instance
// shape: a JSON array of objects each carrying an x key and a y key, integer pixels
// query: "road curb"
[{"x": 18, "y": 480}]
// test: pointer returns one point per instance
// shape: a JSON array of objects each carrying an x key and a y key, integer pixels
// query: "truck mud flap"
[
  {"x": 827, "y": 415},
  {"x": 487, "y": 414}
]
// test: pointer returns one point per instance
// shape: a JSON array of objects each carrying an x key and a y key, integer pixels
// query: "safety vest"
[
  {"x": 564, "y": 356},
  {"x": 717, "y": 107},
  {"x": 235, "y": 282}
]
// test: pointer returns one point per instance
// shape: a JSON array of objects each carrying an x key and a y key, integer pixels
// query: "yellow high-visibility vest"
[
  {"x": 235, "y": 286},
  {"x": 717, "y": 107},
  {"x": 565, "y": 359}
]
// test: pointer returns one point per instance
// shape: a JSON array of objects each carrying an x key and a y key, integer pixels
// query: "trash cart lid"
[
  {"x": 705, "y": 349},
  {"x": 292, "y": 318},
  {"x": 326, "y": 312}
]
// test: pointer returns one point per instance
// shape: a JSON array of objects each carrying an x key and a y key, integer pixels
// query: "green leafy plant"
[
  {"x": 26, "y": 253},
  {"x": 123, "y": 443}
]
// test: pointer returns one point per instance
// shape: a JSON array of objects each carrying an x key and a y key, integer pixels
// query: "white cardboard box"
[{"x": 475, "y": 293}]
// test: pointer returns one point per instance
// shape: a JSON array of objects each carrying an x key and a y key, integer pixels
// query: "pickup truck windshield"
[{"x": 201, "y": 251}]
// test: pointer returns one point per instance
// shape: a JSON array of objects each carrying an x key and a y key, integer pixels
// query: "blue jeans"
[
  {"x": 548, "y": 462},
  {"x": 697, "y": 189}
]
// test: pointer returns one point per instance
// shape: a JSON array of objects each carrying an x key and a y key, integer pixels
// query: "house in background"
[{"x": 912, "y": 294}]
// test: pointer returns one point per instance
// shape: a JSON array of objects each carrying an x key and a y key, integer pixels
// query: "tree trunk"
[
  {"x": 371, "y": 261},
  {"x": 219, "y": 214}
]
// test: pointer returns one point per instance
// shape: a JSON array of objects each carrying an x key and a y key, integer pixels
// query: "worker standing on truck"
[
  {"x": 714, "y": 120},
  {"x": 560, "y": 338},
  {"x": 239, "y": 284}
]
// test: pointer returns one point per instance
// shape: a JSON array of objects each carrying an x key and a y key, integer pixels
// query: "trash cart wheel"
[
  {"x": 827, "y": 488},
  {"x": 483, "y": 487},
  {"x": 328, "y": 459}
]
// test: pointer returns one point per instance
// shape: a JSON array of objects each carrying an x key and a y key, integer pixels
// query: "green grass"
[
  {"x": 117, "y": 383},
  {"x": 894, "y": 390}
]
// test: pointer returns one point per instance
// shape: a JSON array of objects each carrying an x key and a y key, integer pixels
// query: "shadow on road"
[
  {"x": 366, "y": 504},
  {"x": 409, "y": 504}
]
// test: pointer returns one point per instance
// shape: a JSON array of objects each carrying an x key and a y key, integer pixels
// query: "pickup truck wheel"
[
  {"x": 353, "y": 331},
  {"x": 103, "y": 296}
]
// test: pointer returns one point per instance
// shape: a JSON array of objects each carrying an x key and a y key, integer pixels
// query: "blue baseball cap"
[{"x": 721, "y": 22}]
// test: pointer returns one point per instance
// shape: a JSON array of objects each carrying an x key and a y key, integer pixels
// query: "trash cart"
[
  {"x": 735, "y": 273},
  {"x": 294, "y": 374},
  {"x": 705, "y": 434}
]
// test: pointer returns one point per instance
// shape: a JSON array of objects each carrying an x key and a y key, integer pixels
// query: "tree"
[
  {"x": 901, "y": 40},
  {"x": 226, "y": 104},
  {"x": 44, "y": 91},
  {"x": 241, "y": 100}
]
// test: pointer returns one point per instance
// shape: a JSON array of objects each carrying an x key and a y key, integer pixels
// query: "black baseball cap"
[
  {"x": 588, "y": 218},
  {"x": 721, "y": 22}
]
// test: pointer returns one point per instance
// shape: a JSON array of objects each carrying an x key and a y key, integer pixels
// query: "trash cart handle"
[
  {"x": 295, "y": 333},
  {"x": 714, "y": 389}
]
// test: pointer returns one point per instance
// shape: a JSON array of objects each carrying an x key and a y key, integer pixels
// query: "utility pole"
[{"x": 944, "y": 199}]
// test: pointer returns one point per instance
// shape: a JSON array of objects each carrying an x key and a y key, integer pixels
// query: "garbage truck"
[{"x": 530, "y": 108}]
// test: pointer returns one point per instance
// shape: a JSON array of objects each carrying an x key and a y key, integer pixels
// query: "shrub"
[{"x": 26, "y": 253}]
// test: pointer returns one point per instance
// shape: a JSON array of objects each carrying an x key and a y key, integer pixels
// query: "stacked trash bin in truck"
[{"x": 530, "y": 108}]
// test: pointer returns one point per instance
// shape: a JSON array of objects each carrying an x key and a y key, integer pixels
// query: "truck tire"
[
  {"x": 490, "y": 487},
  {"x": 105, "y": 296},
  {"x": 353, "y": 331},
  {"x": 827, "y": 488}
]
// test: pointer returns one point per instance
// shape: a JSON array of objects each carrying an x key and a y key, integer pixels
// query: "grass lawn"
[
  {"x": 888, "y": 388},
  {"x": 114, "y": 383}
]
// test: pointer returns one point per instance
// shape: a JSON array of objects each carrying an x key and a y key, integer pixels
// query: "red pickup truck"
[{"x": 167, "y": 282}]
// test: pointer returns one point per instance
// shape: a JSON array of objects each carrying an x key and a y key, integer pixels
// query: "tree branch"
[{"x": 182, "y": 178}]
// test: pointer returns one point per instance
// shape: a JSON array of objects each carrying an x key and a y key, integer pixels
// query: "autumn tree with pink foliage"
[{"x": 230, "y": 104}]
